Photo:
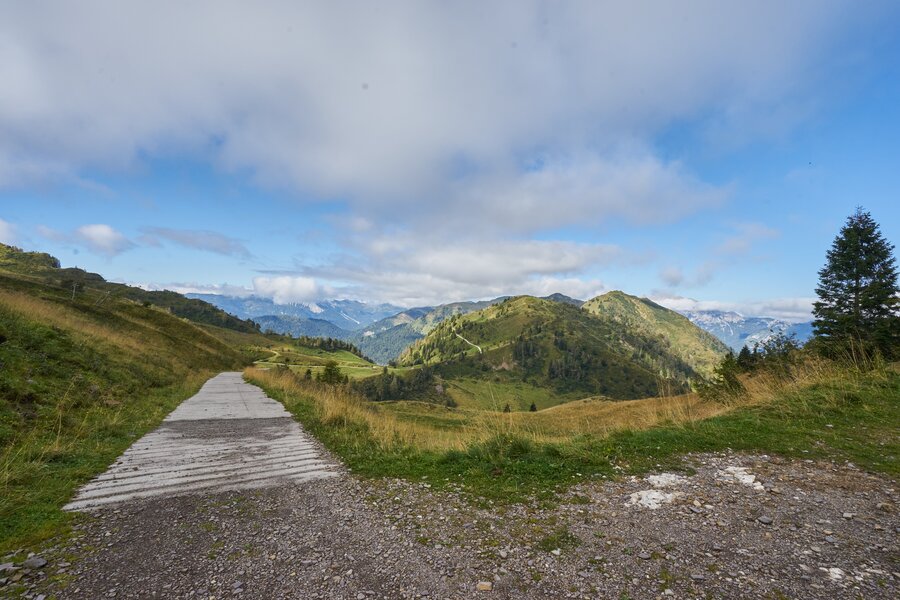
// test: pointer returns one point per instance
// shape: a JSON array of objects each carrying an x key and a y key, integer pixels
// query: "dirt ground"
[{"x": 738, "y": 527}]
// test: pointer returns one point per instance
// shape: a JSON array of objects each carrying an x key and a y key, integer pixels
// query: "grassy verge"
[
  {"x": 80, "y": 379},
  {"x": 827, "y": 413},
  {"x": 41, "y": 470}
]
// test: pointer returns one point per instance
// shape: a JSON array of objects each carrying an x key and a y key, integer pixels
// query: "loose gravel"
[{"x": 737, "y": 527}]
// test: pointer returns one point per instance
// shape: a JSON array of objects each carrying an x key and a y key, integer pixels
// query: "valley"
[{"x": 522, "y": 406}]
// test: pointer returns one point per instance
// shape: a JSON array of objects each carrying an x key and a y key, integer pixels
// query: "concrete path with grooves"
[{"x": 229, "y": 436}]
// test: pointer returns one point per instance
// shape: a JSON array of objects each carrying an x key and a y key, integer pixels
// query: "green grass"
[
  {"x": 38, "y": 478},
  {"x": 80, "y": 381},
  {"x": 853, "y": 418},
  {"x": 560, "y": 539},
  {"x": 299, "y": 358},
  {"x": 486, "y": 394}
]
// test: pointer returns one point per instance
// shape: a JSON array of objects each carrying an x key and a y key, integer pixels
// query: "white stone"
[
  {"x": 666, "y": 480},
  {"x": 652, "y": 499},
  {"x": 741, "y": 475}
]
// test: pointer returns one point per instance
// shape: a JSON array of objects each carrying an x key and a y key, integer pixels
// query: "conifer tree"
[
  {"x": 746, "y": 359},
  {"x": 858, "y": 296}
]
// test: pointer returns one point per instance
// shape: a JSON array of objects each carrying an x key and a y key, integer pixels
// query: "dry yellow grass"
[
  {"x": 51, "y": 313},
  {"x": 336, "y": 405},
  {"x": 81, "y": 324},
  {"x": 596, "y": 417}
]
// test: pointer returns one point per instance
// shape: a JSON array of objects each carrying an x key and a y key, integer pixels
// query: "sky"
[{"x": 703, "y": 154}]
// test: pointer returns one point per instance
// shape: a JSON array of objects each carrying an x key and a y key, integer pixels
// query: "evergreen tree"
[
  {"x": 858, "y": 294},
  {"x": 331, "y": 373},
  {"x": 533, "y": 407},
  {"x": 746, "y": 359}
]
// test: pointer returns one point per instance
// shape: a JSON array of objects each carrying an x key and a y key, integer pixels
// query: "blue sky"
[{"x": 417, "y": 153}]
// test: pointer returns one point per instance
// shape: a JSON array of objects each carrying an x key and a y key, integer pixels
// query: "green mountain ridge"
[
  {"x": 385, "y": 340},
  {"x": 696, "y": 347},
  {"x": 44, "y": 268},
  {"x": 617, "y": 346}
]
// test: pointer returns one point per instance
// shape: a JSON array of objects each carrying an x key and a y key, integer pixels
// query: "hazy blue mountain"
[
  {"x": 298, "y": 326},
  {"x": 346, "y": 314},
  {"x": 736, "y": 330}
]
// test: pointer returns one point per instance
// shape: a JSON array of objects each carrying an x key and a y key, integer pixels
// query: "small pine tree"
[
  {"x": 724, "y": 386},
  {"x": 858, "y": 294},
  {"x": 331, "y": 373},
  {"x": 533, "y": 407},
  {"x": 745, "y": 359}
]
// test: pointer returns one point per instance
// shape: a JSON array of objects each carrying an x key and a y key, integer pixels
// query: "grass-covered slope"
[
  {"x": 384, "y": 340},
  {"x": 555, "y": 345},
  {"x": 43, "y": 268},
  {"x": 681, "y": 338},
  {"x": 80, "y": 379},
  {"x": 313, "y": 354},
  {"x": 819, "y": 411}
]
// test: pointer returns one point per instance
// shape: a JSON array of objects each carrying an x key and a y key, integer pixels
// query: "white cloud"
[
  {"x": 582, "y": 189},
  {"x": 102, "y": 239},
  {"x": 209, "y": 241},
  {"x": 287, "y": 289},
  {"x": 789, "y": 309},
  {"x": 376, "y": 101},
  {"x": 8, "y": 233},
  {"x": 98, "y": 238},
  {"x": 423, "y": 269}
]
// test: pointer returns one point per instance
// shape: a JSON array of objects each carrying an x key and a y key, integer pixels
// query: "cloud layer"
[
  {"x": 789, "y": 309},
  {"x": 383, "y": 102},
  {"x": 460, "y": 137}
]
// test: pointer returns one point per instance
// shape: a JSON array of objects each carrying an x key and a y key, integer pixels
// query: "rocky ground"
[{"x": 738, "y": 527}]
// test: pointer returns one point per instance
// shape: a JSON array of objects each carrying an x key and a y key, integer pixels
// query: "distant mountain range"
[
  {"x": 736, "y": 330},
  {"x": 348, "y": 315},
  {"x": 384, "y": 331}
]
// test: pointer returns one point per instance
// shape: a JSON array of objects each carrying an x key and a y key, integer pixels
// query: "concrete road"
[{"x": 228, "y": 436}]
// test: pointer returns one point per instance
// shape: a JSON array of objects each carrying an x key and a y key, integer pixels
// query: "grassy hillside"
[
  {"x": 43, "y": 268},
  {"x": 313, "y": 354},
  {"x": 676, "y": 333},
  {"x": 81, "y": 379},
  {"x": 557, "y": 346},
  {"x": 386, "y": 339}
]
